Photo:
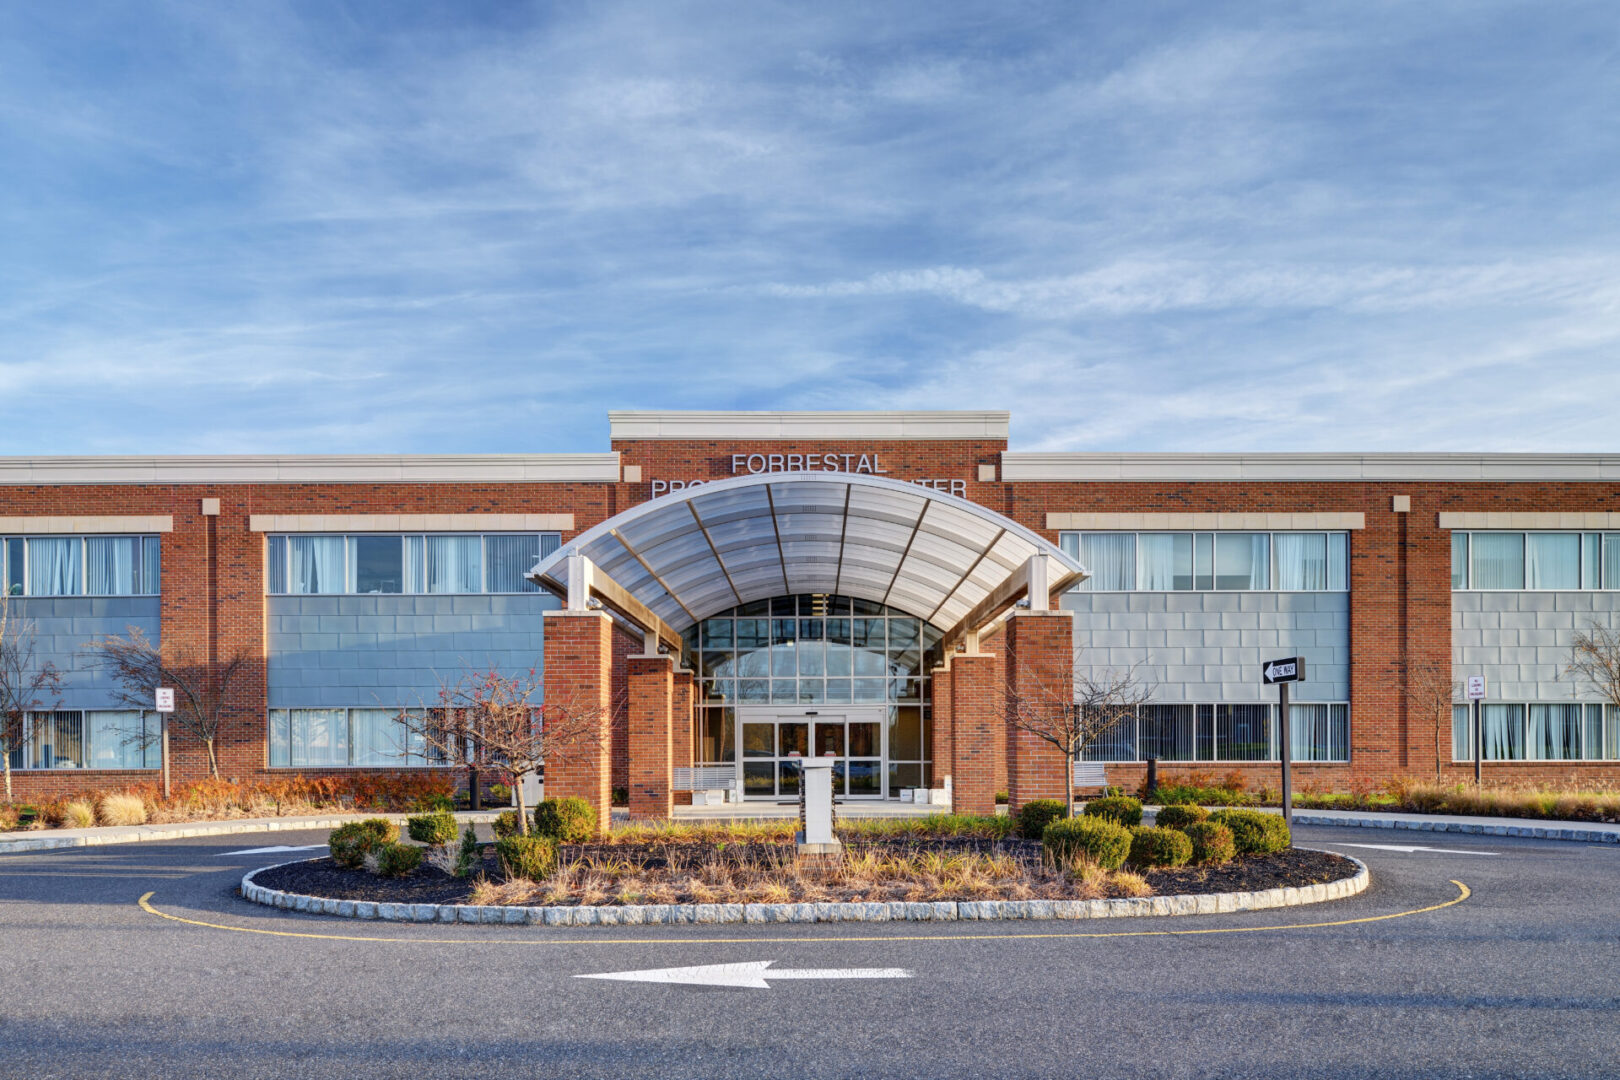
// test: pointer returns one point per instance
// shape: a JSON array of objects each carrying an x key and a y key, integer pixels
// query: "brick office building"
[{"x": 737, "y": 590}]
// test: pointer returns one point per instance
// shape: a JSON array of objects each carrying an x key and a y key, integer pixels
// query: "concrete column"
[
  {"x": 578, "y": 677},
  {"x": 1039, "y": 654},
  {"x": 682, "y": 737},
  {"x": 652, "y": 681},
  {"x": 976, "y": 721}
]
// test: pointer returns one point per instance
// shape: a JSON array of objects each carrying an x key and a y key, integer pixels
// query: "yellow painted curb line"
[{"x": 1463, "y": 893}]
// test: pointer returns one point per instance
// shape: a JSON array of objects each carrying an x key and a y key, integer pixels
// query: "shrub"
[
  {"x": 505, "y": 824},
  {"x": 1254, "y": 832},
  {"x": 567, "y": 821},
  {"x": 393, "y": 860},
  {"x": 1120, "y": 809},
  {"x": 78, "y": 814},
  {"x": 122, "y": 810},
  {"x": 1002, "y": 798},
  {"x": 500, "y": 793},
  {"x": 1212, "y": 843},
  {"x": 435, "y": 829},
  {"x": 9, "y": 818},
  {"x": 349, "y": 844},
  {"x": 1037, "y": 814},
  {"x": 1098, "y": 839},
  {"x": 434, "y": 802},
  {"x": 620, "y": 796},
  {"x": 1156, "y": 846},
  {"x": 1179, "y": 816},
  {"x": 469, "y": 857},
  {"x": 530, "y": 857}
]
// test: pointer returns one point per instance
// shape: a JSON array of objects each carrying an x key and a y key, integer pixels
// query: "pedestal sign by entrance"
[
  {"x": 1289, "y": 669},
  {"x": 1476, "y": 694},
  {"x": 816, "y": 807},
  {"x": 163, "y": 702}
]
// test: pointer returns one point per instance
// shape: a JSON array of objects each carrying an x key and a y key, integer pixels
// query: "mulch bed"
[{"x": 426, "y": 885}]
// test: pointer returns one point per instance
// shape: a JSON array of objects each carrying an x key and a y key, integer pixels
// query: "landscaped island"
[{"x": 1038, "y": 855}]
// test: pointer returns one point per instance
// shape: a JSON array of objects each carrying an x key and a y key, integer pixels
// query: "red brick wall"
[
  {"x": 1039, "y": 680},
  {"x": 578, "y": 675},
  {"x": 682, "y": 737},
  {"x": 651, "y": 750},
  {"x": 976, "y": 703}
]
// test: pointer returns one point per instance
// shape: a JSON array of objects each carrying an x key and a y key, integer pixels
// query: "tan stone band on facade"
[
  {"x": 106, "y": 523},
  {"x": 1206, "y": 521},
  {"x": 1495, "y": 519},
  {"x": 388, "y": 523},
  {"x": 892, "y": 911},
  {"x": 315, "y": 468}
]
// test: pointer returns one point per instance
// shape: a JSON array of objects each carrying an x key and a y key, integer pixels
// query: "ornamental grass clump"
[
  {"x": 1101, "y": 840},
  {"x": 1179, "y": 816},
  {"x": 9, "y": 817},
  {"x": 1120, "y": 809},
  {"x": 122, "y": 810},
  {"x": 435, "y": 829},
  {"x": 78, "y": 814},
  {"x": 350, "y": 844},
  {"x": 1212, "y": 843},
  {"x": 567, "y": 821},
  {"x": 1037, "y": 814},
  {"x": 528, "y": 857},
  {"x": 1152, "y": 845},
  {"x": 1253, "y": 832}
]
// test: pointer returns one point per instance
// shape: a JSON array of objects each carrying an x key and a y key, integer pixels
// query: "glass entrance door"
[{"x": 772, "y": 746}]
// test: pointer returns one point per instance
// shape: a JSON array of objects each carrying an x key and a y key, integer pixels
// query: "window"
[
  {"x": 78, "y": 739},
  {"x": 1564, "y": 561},
  {"x": 370, "y": 564},
  {"x": 341, "y": 738},
  {"x": 1227, "y": 732},
  {"x": 1536, "y": 731},
  {"x": 81, "y": 565},
  {"x": 1238, "y": 562}
]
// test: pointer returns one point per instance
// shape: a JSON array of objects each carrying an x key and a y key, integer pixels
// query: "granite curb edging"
[
  {"x": 1420, "y": 824},
  {"x": 181, "y": 830},
  {"x": 884, "y": 911}
]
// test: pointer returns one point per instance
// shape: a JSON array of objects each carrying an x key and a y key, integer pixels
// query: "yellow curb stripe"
[{"x": 1463, "y": 893}]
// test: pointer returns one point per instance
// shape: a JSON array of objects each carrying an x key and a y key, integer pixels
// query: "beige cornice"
[
  {"x": 106, "y": 523},
  {"x": 1209, "y": 522},
  {"x": 1035, "y": 467},
  {"x": 1494, "y": 519},
  {"x": 314, "y": 469},
  {"x": 742, "y": 426},
  {"x": 391, "y": 523}
]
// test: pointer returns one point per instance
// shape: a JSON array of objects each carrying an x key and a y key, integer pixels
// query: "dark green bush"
[
  {"x": 505, "y": 824},
  {"x": 396, "y": 860},
  {"x": 1212, "y": 843},
  {"x": 619, "y": 796},
  {"x": 469, "y": 856},
  {"x": 567, "y": 821},
  {"x": 1098, "y": 839},
  {"x": 1120, "y": 809},
  {"x": 1037, "y": 814},
  {"x": 1254, "y": 832},
  {"x": 432, "y": 804},
  {"x": 1155, "y": 846},
  {"x": 531, "y": 857},
  {"x": 435, "y": 829},
  {"x": 501, "y": 794},
  {"x": 348, "y": 844},
  {"x": 1167, "y": 794},
  {"x": 1002, "y": 798},
  {"x": 1180, "y": 816}
]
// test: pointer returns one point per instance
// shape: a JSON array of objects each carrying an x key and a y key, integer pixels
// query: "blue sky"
[{"x": 475, "y": 227}]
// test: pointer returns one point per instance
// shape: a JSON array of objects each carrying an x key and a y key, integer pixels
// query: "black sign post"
[{"x": 1290, "y": 669}]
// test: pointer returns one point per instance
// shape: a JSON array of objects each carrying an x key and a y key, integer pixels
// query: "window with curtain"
[
  {"x": 112, "y": 565},
  {"x": 1462, "y": 733},
  {"x": 320, "y": 737},
  {"x": 1111, "y": 559},
  {"x": 1320, "y": 732},
  {"x": 1552, "y": 561},
  {"x": 1118, "y": 743},
  {"x": 1243, "y": 733},
  {"x": 1242, "y": 561},
  {"x": 122, "y": 739},
  {"x": 1555, "y": 732},
  {"x": 1498, "y": 560},
  {"x": 378, "y": 737},
  {"x": 55, "y": 566},
  {"x": 454, "y": 564},
  {"x": 1611, "y": 560},
  {"x": 1459, "y": 560},
  {"x": 375, "y": 564},
  {"x": 1167, "y": 733},
  {"x": 315, "y": 565},
  {"x": 1503, "y": 736},
  {"x": 512, "y": 557},
  {"x": 1164, "y": 561},
  {"x": 55, "y": 740},
  {"x": 1302, "y": 561}
]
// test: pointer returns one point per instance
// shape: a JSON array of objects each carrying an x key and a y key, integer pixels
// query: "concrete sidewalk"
[
  {"x": 49, "y": 839},
  {"x": 1585, "y": 831}
]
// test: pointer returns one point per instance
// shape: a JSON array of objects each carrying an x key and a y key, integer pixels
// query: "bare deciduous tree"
[
  {"x": 1430, "y": 692},
  {"x": 202, "y": 687},
  {"x": 1595, "y": 657},
  {"x": 489, "y": 719},
  {"x": 26, "y": 684},
  {"x": 1072, "y": 716}
]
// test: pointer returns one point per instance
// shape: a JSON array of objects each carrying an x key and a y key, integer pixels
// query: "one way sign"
[{"x": 1289, "y": 669}]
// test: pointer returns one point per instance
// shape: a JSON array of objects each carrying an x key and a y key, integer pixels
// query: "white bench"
[
  {"x": 1090, "y": 774},
  {"x": 685, "y": 778}
]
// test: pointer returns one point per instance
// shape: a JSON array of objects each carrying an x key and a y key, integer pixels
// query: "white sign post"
[
  {"x": 1476, "y": 694},
  {"x": 163, "y": 702}
]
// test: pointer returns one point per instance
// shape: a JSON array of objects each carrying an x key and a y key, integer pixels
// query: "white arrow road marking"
[
  {"x": 1410, "y": 850},
  {"x": 751, "y": 974},
  {"x": 269, "y": 850}
]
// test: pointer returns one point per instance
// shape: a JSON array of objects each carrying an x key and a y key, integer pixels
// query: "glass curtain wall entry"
[{"x": 815, "y": 650}]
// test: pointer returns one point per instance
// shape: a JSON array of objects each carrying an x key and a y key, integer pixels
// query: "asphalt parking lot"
[{"x": 1517, "y": 974}]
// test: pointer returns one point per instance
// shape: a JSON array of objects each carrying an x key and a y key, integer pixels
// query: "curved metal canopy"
[{"x": 696, "y": 552}]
